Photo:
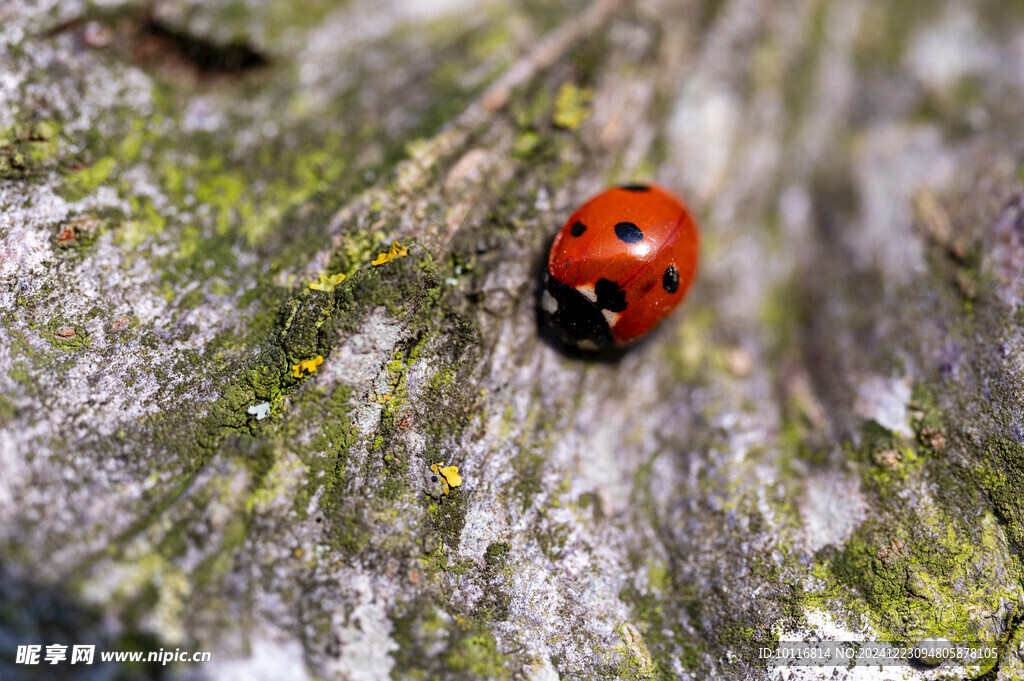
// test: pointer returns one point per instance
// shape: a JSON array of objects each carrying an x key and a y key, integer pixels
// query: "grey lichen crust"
[{"x": 825, "y": 442}]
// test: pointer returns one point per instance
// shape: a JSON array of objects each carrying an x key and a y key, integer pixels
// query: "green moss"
[
  {"x": 415, "y": 627},
  {"x": 635, "y": 661},
  {"x": 301, "y": 330},
  {"x": 19, "y": 374},
  {"x": 64, "y": 336},
  {"x": 431, "y": 646},
  {"x": 144, "y": 222},
  {"x": 658, "y": 605},
  {"x": 917, "y": 567},
  {"x": 796, "y": 433},
  {"x": 529, "y": 465},
  {"x": 552, "y": 540},
  {"x": 447, "y": 517},
  {"x": 479, "y": 655},
  {"x": 661, "y": 639},
  {"x": 496, "y": 555},
  {"x": 306, "y": 326},
  {"x": 223, "y": 199},
  {"x": 924, "y": 581},
  {"x": 928, "y": 422},
  {"x": 325, "y": 457},
  {"x": 495, "y": 582},
  {"x": 392, "y": 448},
  {"x": 28, "y": 149},
  {"x": 91, "y": 177},
  {"x": 265, "y": 373},
  {"x": 7, "y": 410},
  {"x": 525, "y": 144},
  {"x": 533, "y": 110},
  {"x": 890, "y": 458},
  {"x": 1000, "y": 474}
]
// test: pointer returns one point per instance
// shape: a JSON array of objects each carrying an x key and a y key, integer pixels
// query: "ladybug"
[{"x": 618, "y": 266}]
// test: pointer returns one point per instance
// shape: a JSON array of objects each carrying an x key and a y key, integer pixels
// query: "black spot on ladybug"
[
  {"x": 610, "y": 296},
  {"x": 628, "y": 232},
  {"x": 670, "y": 280},
  {"x": 635, "y": 187},
  {"x": 578, "y": 228}
]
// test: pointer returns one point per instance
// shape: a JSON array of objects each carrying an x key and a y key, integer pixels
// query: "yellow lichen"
[
  {"x": 571, "y": 106},
  {"x": 397, "y": 250},
  {"x": 449, "y": 476},
  {"x": 327, "y": 282},
  {"x": 306, "y": 366}
]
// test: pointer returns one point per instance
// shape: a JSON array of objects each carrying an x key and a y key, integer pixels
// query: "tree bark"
[{"x": 825, "y": 442}]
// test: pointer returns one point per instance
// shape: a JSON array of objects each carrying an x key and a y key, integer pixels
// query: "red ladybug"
[{"x": 618, "y": 266}]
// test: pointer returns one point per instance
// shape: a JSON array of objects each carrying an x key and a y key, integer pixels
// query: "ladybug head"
[{"x": 573, "y": 319}]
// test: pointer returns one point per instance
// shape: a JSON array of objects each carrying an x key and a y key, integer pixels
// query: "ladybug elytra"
[{"x": 618, "y": 266}]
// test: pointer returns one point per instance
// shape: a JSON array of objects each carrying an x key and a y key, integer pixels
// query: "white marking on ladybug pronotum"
[
  {"x": 611, "y": 317},
  {"x": 588, "y": 292}
]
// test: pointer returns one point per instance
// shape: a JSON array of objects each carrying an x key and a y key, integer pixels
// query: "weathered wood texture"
[{"x": 828, "y": 437}]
